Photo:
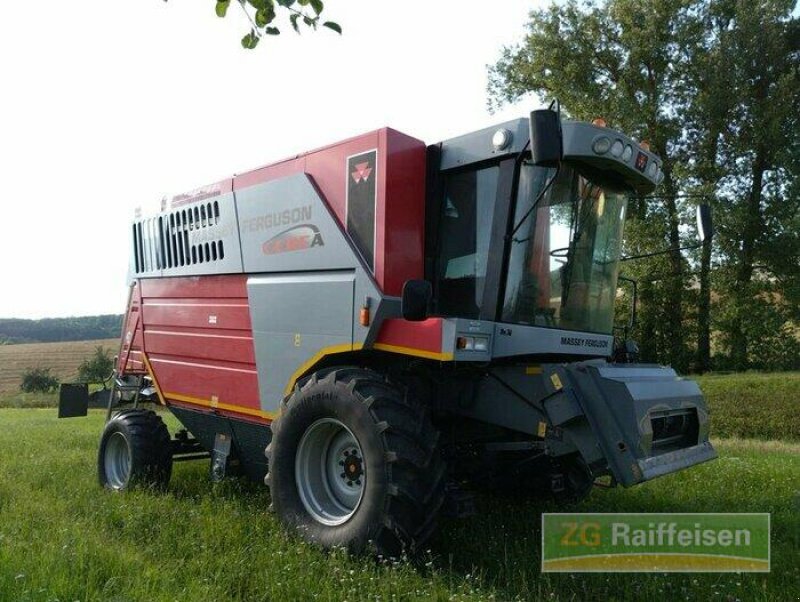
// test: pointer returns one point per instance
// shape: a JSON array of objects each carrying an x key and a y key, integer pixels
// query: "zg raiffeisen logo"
[{"x": 655, "y": 543}]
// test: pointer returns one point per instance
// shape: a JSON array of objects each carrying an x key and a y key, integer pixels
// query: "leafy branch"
[{"x": 263, "y": 15}]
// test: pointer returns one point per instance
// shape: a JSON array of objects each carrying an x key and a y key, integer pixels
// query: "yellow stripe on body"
[
  {"x": 216, "y": 405},
  {"x": 333, "y": 349},
  {"x": 430, "y": 355},
  {"x": 152, "y": 374},
  {"x": 310, "y": 362}
]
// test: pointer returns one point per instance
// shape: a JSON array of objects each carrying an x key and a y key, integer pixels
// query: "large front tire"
[
  {"x": 134, "y": 450},
  {"x": 354, "y": 463}
]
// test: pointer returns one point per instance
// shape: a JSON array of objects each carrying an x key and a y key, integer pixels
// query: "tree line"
[
  {"x": 714, "y": 87},
  {"x": 48, "y": 330}
]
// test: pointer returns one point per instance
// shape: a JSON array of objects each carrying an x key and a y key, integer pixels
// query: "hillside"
[
  {"x": 47, "y": 330},
  {"x": 62, "y": 358}
]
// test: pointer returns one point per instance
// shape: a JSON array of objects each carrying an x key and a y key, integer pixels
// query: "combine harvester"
[{"x": 363, "y": 324}]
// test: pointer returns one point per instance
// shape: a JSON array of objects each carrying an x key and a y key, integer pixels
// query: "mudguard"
[
  {"x": 634, "y": 421},
  {"x": 73, "y": 400}
]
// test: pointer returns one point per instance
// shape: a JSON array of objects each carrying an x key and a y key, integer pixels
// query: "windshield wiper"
[{"x": 539, "y": 197}]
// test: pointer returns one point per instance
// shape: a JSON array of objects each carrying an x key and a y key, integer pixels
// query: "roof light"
[
  {"x": 645, "y": 145},
  {"x": 627, "y": 153},
  {"x": 599, "y": 122},
  {"x": 616, "y": 148},
  {"x": 601, "y": 145},
  {"x": 501, "y": 139}
]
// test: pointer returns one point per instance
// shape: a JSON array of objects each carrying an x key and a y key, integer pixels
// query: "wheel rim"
[
  {"x": 117, "y": 461},
  {"x": 330, "y": 471}
]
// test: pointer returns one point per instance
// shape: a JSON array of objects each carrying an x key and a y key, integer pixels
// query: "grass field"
[
  {"x": 62, "y": 358},
  {"x": 764, "y": 406},
  {"x": 63, "y": 538}
]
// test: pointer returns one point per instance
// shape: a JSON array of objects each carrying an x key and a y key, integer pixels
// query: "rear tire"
[
  {"x": 134, "y": 451},
  {"x": 354, "y": 463}
]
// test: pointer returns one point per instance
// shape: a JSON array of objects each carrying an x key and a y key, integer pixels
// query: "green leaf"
[
  {"x": 316, "y": 5},
  {"x": 222, "y": 7},
  {"x": 286, "y": 3},
  {"x": 334, "y": 26},
  {"x": 303, "y": 2},
  {"x": 272, "y": 31},
  {"x": 250, "y": 41},
  {"x": 265, "y": 16},
  {"x": 293, "y": 20}
]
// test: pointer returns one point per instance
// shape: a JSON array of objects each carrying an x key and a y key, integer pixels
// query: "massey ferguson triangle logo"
[{"x": 362, "y": 172}]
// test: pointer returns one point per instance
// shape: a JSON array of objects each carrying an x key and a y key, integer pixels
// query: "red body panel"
[
  {"x": 199, "y": 343},
  {"x": 422, "y": 336},
  {"x": 400, "y": 220},
  {"x": 400, "y": 204}
]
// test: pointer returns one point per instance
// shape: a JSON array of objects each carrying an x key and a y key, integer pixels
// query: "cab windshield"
[{"x": 564, "y": 258}]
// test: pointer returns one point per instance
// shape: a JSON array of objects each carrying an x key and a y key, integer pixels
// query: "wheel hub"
[
  {"x": 352, "y": 466},
  {"x": 329, "y": 471}
]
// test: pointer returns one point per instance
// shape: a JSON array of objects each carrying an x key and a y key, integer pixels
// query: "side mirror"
[
  {"x": 705, "y": 227},
  {"x": 417, "y": 295},
  {"x": 546, "y": 141}
]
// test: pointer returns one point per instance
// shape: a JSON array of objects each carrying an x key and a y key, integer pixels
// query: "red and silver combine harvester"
[{"x": 361, "y": 324}]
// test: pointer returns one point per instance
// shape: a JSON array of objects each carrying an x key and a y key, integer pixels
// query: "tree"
[
  {"x": 96, "y": 368},
  {"x": 760, "y": 47},
  {"x": 264, "y": 14},
  {"x": 38, "y": 380}
]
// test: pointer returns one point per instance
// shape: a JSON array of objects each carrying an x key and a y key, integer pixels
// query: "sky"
[{"x": 110, "y": 106}]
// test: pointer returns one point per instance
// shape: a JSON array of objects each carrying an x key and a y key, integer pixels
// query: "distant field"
[{"x": 62, "y": 358}]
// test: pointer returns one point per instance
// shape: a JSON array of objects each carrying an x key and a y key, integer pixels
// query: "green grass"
[
  {"x": 63, "y": 538},
  {"x": 754, "y": 405},
  {"x": 28, "y": 400}
]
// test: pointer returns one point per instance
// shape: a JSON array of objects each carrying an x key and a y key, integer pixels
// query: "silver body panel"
[
  {"x": 277, "y": 215},
  {"x": 282, "y": 342}
]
